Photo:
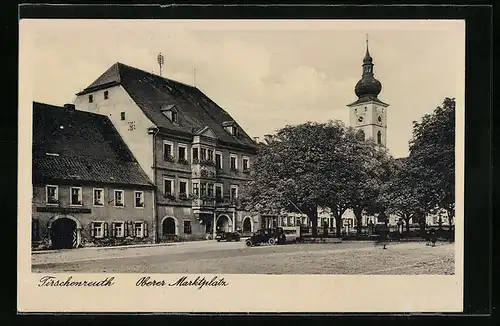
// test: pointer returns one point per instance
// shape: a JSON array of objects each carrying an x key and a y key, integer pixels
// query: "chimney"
[
  {"x": 268, "y": 138},
  {"x": 69, "y": 107},
  {"x": 256, "y": 139}
]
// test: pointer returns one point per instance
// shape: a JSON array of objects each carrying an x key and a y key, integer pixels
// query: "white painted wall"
[
  {"x": 138, "y": 140},
  {"x": 370, "y": 111}
]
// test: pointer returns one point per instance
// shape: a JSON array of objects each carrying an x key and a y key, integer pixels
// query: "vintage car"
[
  {"x": 227, "y": 236},
  {"x": 267, "y": 236}
]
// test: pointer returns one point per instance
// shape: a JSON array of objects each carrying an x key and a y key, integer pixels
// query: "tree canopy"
[
  {"x": 432, "y": 156},
  {"x": 315, "y": 165}
]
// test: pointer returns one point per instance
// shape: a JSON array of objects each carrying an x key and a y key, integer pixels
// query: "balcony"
[
  {"x": 204, "y": 201},
  {"x": 203, "y": 169},
  {"x": 226, "y": 201}
]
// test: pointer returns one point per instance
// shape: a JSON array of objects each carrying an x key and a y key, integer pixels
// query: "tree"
[
  {"x": 285, "y": 173},
  {"x": 403, "y": 195},
  {"x": 432, "y": 156},
  {"x": 372, "y": 171}
]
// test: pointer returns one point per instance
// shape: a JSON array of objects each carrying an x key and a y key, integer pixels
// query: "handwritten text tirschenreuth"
[
  {"x": 198, "y": 282},
  {"x": 53, "y": 281}
]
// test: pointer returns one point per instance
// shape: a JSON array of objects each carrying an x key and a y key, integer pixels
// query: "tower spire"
[{"x": 367, "y": 51}]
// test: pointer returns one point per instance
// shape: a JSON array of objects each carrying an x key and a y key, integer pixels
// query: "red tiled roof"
[{"x": 150, "y": 92}]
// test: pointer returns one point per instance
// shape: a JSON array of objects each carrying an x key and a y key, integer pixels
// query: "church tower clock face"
[
  {"x": 379, "y": 119},
  {"x": 360, "y": 119}
]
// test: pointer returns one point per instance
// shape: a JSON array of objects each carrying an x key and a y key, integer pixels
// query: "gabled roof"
[
  {"x": 152, "y": 92},
  {"x": 75, "y": 145}
]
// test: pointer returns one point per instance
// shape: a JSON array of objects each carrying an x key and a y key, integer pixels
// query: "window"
[
  {"x": 174, "y": 116},
  {"x": 168, "y": 187},
  {"x": 245, "y": 163},
  {"x": 182, "y": 187},
  {"x": 361, "y": 135},
  {"x": 139, "y": 229},
  {"x": 187, "y": 227},
  {"x": 99, "y": 229},
  {"x": 52, "y": 195},
  {"x": 76, "y": 196},
  {"x": 106, "y": 95},
  {"x": 203, "y": 189},
  {"x": 218, "y": 160},
  {"x": 379, "y": 137},
  {"x": 91, "y": 98},
  {"x": 119, "y": 200},
  {"x": 122, "y": 116},
  {"x": 167, "y": 151},
  {"x": 98, "y": 197},
  {"x": 139, "y": 199},
  {"x": 195, "y": 154},
  {"x": 210, "y": 189},
  {"x": 118, "y": 229},
  {"x": 234, "y": 192},
  {"x": 196, "y": 190},
  {"x": 203, "y": 154},
  {"x": 234, "y": 131},
  {"x": 182, "y": 152},
  {"x": 210, "y": 155},
  {"x": 234, "y": 162},
  {"x": 218, "y": 191}
]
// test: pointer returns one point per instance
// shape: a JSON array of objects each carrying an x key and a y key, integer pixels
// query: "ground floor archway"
[
  {"x": 247, "y": 224},
  {"x": 64, "y": 232},
  {"x": 169, "y": 226},
  {"x": 224, "y": 223}
]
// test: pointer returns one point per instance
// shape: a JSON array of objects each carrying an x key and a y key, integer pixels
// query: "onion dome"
[{"x": 367, "y": 85}]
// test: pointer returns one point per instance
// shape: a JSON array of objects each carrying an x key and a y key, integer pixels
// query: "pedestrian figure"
[
  {"x": 428, "y": 238},
  {"x": 433, "y": 238},
  {"x": 383, "y": 235}
]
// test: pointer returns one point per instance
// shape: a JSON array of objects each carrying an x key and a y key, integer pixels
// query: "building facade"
[
  {"x": 88, "y": 189},
  {"x": 196, "y": 154}
]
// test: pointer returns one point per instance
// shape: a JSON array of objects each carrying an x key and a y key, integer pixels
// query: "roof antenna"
[
  {"x": 194, "y": 77},
  {"x": 161, "y": 61}
]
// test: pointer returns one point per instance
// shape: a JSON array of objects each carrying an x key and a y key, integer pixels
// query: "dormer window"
[
  {"x": 231, "y": 127},
  {"x": 174, "y": 116},
  {"x": 170, "y": 111}
]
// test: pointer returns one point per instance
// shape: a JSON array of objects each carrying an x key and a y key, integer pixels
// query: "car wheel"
[
  {"x": 218, "y": 240},
  {"x": 248, "y": 243},
  {"x": 272, "y": 241}
]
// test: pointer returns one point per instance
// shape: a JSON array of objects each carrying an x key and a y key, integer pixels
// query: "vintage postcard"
[{"x": 241, "y": 165}]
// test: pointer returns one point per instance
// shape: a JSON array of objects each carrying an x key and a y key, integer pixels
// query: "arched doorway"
[
  {"x": 247, "y": 225},
  {"x": 64, "y": 232},
  {"x": 223, "y": 223},
  {"x": 169, "y": 226}
]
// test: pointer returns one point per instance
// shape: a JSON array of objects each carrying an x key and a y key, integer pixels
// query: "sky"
[{"x": 266, "y": 74}]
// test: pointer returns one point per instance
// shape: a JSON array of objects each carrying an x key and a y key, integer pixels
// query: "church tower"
[{"x": 368, "y": 113}]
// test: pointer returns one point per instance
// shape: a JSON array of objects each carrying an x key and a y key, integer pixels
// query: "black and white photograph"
[{"x": 219, "y": 147}]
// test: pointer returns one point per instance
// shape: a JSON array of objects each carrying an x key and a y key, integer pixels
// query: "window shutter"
[
  {"x": 131, "y": 229},
  {"x": 145, "y": 226},
  {"x": 125, "y": 229},
  {"x": 91, "y": 227},
  {"x": 105, "y": 229},
  {"x": 113, "y": 229}
]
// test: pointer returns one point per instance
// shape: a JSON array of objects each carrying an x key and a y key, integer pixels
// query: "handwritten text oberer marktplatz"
[
  {"x": 198, "y": 282},
  {"x": 53, "y": 281}
]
